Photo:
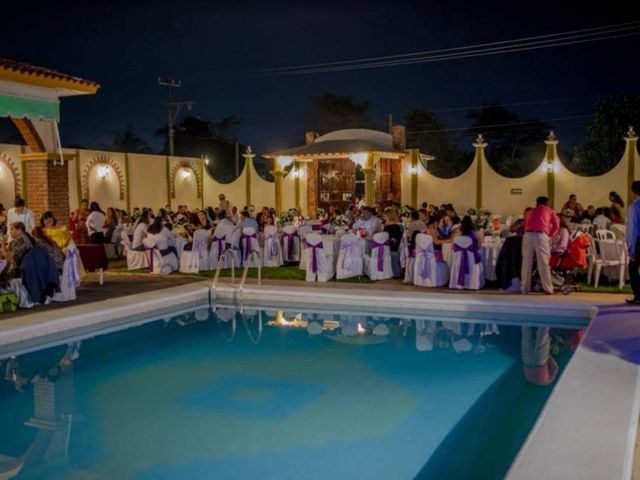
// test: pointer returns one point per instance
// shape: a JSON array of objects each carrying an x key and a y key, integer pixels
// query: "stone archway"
[
  {"x": 17, "y": 182},
  {"x": 187, "y": 165},
  {"x": 95, "y": 162}
]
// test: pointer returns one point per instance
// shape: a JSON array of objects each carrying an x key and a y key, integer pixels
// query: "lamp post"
[{"x": 415, "y": 155}]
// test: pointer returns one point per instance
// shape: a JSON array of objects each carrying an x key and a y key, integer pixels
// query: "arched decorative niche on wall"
[
  {"x": 188, "y": 166},
  {"x": 7, "y": 162},
  {"x": 102, "y": 161}
]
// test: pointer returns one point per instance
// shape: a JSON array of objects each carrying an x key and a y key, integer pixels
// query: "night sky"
[{"x": 216, "y": 47}]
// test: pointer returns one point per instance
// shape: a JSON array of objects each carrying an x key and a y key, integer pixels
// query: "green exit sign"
[{"x": 516, "y": 191}]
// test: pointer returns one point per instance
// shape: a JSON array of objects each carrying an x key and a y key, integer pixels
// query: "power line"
[
  {"x": 455, "y": 56},
  {"x": 595, "y": 30}
]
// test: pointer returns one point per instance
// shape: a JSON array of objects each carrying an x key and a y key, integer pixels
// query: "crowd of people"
[{"x": 35, "y": 251}]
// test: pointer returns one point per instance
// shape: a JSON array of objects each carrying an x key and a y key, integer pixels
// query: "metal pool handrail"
[
  {"x": 246, "y": 269},
  {"x": 212, "y": 289}
]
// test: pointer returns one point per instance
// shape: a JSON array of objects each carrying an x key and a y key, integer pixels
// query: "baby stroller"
[{"x": 564, "y": 268}]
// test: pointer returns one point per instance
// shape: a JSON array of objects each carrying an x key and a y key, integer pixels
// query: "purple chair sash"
[
  {"x": 351, "y": 249},
  {"x": 272, "y": 242},
  {"x": 316, "y": 227},
  {"x": 220, "y": 242},
  {"x": 427, "y": 255},
  {"x": 380, "y": 247},
  {"x": 247, "y": 244},
  {"x": 464, "y": 264},
  {"x": 73, "y": 275},
  {"x": 314, "y": 255},
  {"x": 290, "y": 244}
]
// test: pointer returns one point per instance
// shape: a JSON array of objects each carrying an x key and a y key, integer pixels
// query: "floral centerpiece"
[
  {"x": 340, "y": 221},
  {"x": 321, "y": 213},
  {"x": 288, "y": 217},
  {"x": 481, "y": 218},
  {"x": 405, "y": 212}
]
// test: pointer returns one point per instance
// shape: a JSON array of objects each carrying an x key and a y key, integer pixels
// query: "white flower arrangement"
[
  {"x": 481, "y": 217},
  {"x": 288, "y": 216}
]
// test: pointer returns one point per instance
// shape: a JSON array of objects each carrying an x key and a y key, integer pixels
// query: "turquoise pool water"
[{"x": 272, "y": 394}]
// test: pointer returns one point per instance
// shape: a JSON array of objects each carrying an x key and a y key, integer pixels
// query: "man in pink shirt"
[{"x": 540, "y": 224}]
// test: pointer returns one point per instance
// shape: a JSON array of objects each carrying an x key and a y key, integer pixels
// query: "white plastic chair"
[
  {"x": 290, "y": 244},
  {"x": 611, "y": 253},
  {"x": 249, "y": 243},
  {"x": 234, "y": 244},
  {"x": 135, "y": 259},
  {"x": 158, "y": 263},
  {"x": 377, "y": 266},
  {"x": 349, "y": 262},
  {"x": 319, "y": 262},
  {"x": 70, "y": 278},
  {"x": 428, "y": 271},
  {"x": 474, "y": 278},
  {"x": 197, "y": 259},
  {"x": 272, "y": 253},
  {"x": 408, "y": 257},
  {"x": 605, "y": 235}
]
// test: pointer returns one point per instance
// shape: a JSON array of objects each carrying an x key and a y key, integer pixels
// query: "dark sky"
[{"x": 125, "y": 46}]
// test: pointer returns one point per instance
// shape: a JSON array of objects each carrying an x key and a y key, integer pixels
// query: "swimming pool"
[{"x": 275, "y": 393}]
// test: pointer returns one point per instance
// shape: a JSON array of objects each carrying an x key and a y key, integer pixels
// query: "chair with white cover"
[
  {"x": 428, "y": 271},
  {"x": 136, "y": 259},
  {"x": 249, "y": 243},
  {"x": 318, "y": 260},
  {"x": 467, "y": 270},
  {"x": 408, "y": 258},
  {"x": 158, "y": 263},
  {"x": 216, "y": 250},
  {"x": 303, "y": 231},
  {"x": 611, "y": 253},
  {"x": 70, "y": 278},
  {"x": 197, "y": 259},
  {"x": 272, "y": 256},
  {"x": 290, "y": 244},
  {"x": 377, "y": 266},
  {"x": 235, "y": 246},
  {"x": 349, "y": 262}
]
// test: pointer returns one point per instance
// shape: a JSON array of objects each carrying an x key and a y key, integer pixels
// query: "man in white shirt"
[
  {"x": 360, "y": 203},
  {"x": 20, "y": 213},
  {"x": 370, "y": 223}
]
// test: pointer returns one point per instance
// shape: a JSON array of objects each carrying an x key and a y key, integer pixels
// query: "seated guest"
[
  {"x": 140, "y": 232},
  {"x": 517, "y": 227},
  {"x": 560, "y": 241},
  {"x": 224, "y": 229},
  {"x": 445, "y": 226},
  {"x": 349, "y": 216},
  {"x": 617, "y": 205},
  {"x": 165, "y": 218},
  {"x": 416, "y": 224},
  {"x": 211, "y": 215},
  {"x": 368, "y": 222},
  {"x": 157, "y": 232},
  {"x": 467, "y": 229},
  {"x": 204, "y": 220},
  {"x": 95, "y": 223},
  {"x": 392, "y": 227},
  {"x": 603, "y": 218},
  {"x": 3, "y": 220},
  {"x": 50, "y": 246},
  {"x": 247, "y": 221},
  {"x": 21, "y": 242},
  {"x": 589, "y": 214},
  {"x": 262, "y": 217},
  {"x": 194, "y": 226},
  {"x": 573, "y": 205},
  {"x": 110, "y": 224},
  {"x": 57, "y": 233}
]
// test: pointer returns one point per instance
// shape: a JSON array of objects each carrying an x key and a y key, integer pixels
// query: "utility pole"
[
  {"x": 173, "y": 108},
  {"x": 390, "y": 122}
]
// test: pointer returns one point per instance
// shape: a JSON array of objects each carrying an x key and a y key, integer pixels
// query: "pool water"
[{"x": 272, "y": 394}]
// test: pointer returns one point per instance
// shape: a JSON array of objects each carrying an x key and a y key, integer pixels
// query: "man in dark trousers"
[{"x": 633, "y": 242}]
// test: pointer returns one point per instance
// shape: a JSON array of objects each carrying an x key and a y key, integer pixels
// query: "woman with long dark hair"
[
  {"x": 617, "y": 204},
  {"x": 95, "y": 223}
]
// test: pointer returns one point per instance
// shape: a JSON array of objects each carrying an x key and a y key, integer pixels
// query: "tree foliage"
[
  {"x": 603, "y": 145},
  {"x": 427, "y": 133},
  {"x": 127, "y": 140},
  {"x": 331, "y": 112},
  {"x": 515, "y": 146}
]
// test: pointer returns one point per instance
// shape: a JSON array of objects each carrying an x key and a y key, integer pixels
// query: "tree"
[
  {"x": 127, "y": 140},
  {"x": 195, "y": 137},
  {"x": 427, "y": 133},
  {"x": 516, "y": 146},
  {"x": 331, "y": 112},
  {"x": 603, "y": 145}
]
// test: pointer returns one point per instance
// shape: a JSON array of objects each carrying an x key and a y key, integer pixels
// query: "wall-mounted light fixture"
[
  {"x": 104, "y": 171},
  {"x": 185, "y": 173}
]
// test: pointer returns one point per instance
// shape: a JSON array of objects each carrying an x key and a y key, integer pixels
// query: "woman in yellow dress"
[{"x": 59, "y": 234}]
